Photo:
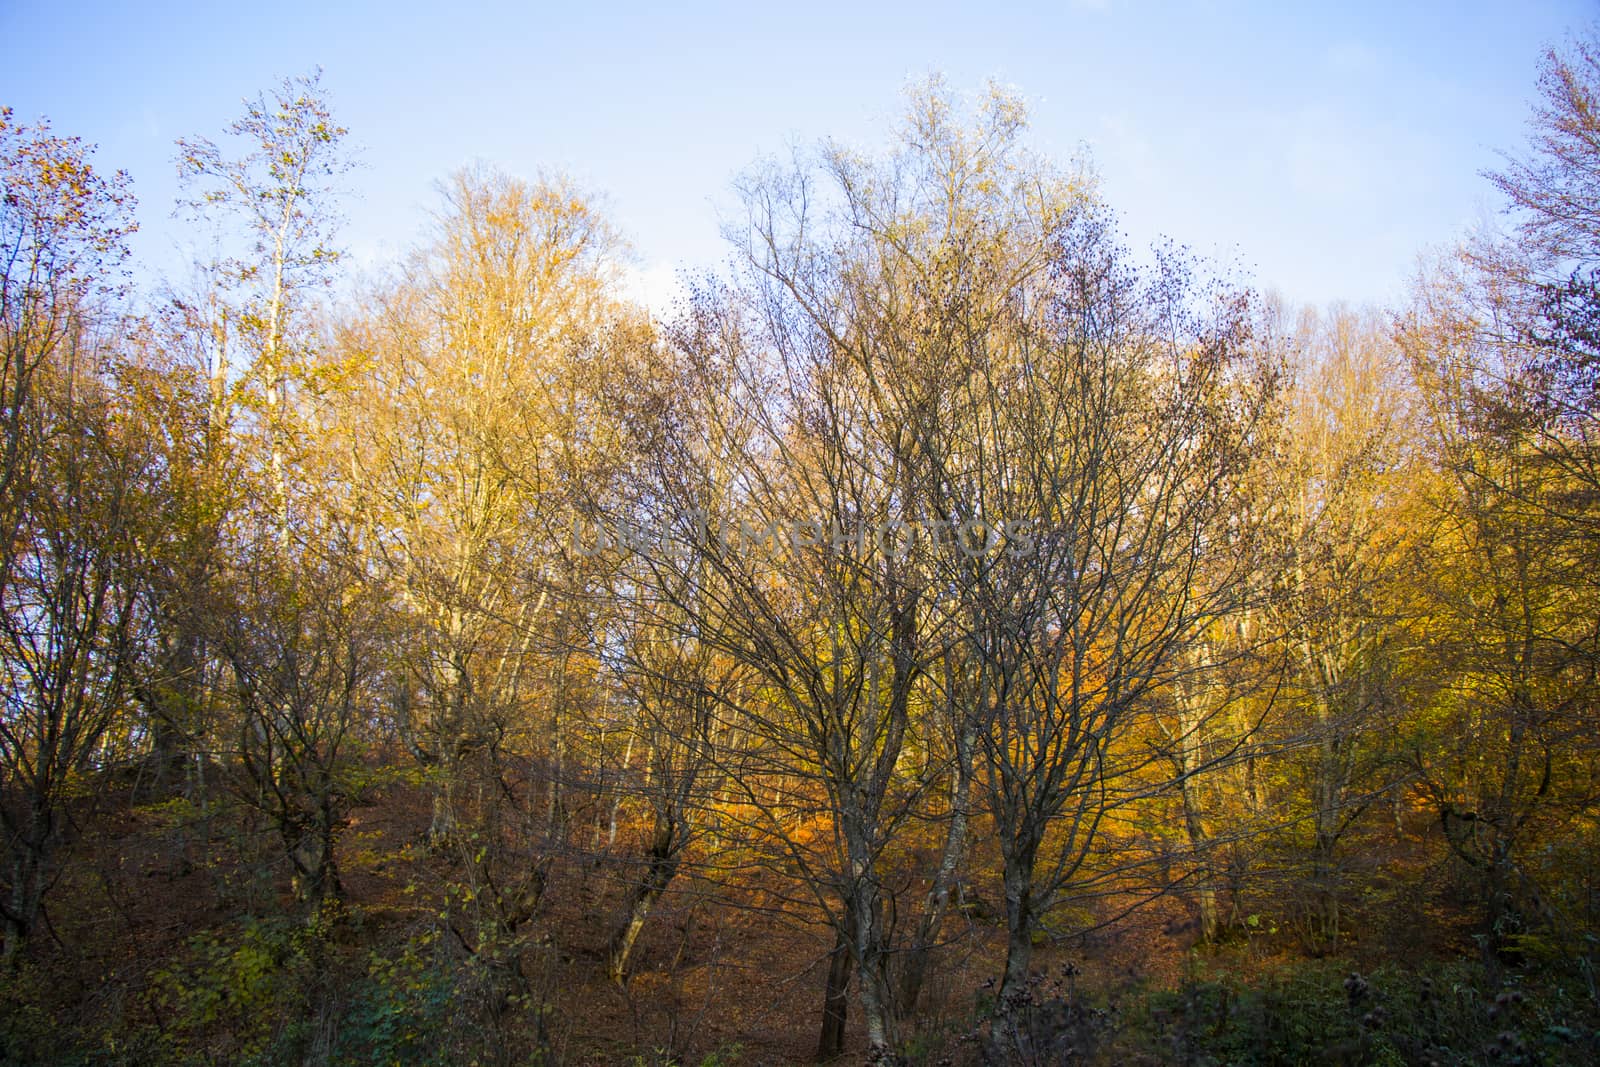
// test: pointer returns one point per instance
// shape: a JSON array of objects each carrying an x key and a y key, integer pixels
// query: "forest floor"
[{"x": 138, "y": 925}]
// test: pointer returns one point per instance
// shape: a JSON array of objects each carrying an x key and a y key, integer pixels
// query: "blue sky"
[{"x": 1319, "y": 150}]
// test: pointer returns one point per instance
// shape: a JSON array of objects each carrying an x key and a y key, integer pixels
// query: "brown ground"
[{"x": 710, "y": 973}]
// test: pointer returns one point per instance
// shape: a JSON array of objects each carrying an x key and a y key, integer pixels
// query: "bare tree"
[
  {"x": 823, "y": 438},
  {"x": 303, "y": 641},
  {"x": 1125, "y": 420},
  {"x": 69, "y": 617},
  {"x": 683, "y": 690},
  {"x": 825, "y": 622},
  {"x": 73, "y": 469}
]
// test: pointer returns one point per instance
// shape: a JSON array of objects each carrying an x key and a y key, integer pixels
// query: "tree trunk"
[
  {"x": 316, "y": 876},
  {"x": 1192, "y": 716},
  {"x": 1206, "y": 894},
  {"x": 171, "y": 707},
  {"x": 443, "y": 821},
  {"x": 1021, "y": 920},
  {"x": 836, "y": 997},
  {"x": 915, "y": 968},
  {"x": 877, "y": 1002},
  {"x": 663, "y": 866},
  {"x": 1330, "y": 788},
  {"x": 617, "y": 792},
  {"x": 1324, "y": 875},
  {"x": 23, "y": 907},
  {"x": 30, "y": 852},
  {"x": 555, "y": 809}
]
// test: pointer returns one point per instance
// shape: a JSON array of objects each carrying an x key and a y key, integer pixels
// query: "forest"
[{"x": 945, "y": 635}]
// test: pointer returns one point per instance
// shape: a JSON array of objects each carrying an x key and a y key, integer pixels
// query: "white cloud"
[{"x": 658, "y": 286}]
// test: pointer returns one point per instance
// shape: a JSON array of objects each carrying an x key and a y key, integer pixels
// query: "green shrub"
[
  {"x": 401, "y": 1011},
  {"x": 235, "y": 992},
  {"x": 1318, "y": 1012}
]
